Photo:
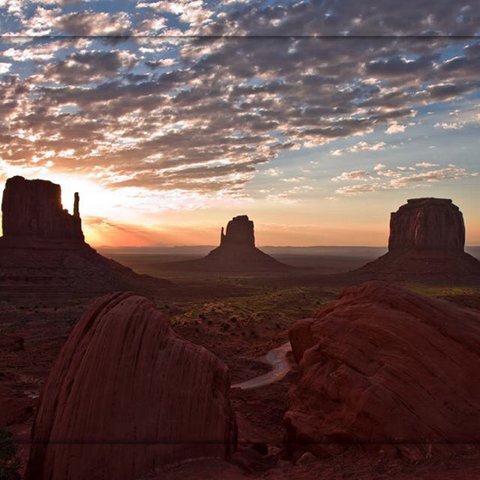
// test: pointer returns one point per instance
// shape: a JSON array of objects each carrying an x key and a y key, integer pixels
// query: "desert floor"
[{"x": 239, "y": 318}]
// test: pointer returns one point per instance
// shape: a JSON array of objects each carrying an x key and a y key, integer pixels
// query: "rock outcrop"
[
  {"x": 32, "y": 209},
  {"x": 126, "y": 395},
  {"x": 427, "y": 224},
  {"x": 236, "y": 254},
  {"x": 43, "y": 246},
  {"x": 427, "y": 238},
  {"x": 239, "y": 233},
  {"x": 386, "y": 366}
]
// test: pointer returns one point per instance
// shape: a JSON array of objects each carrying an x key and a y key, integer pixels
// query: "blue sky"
[{"x": 172, "y": 117}]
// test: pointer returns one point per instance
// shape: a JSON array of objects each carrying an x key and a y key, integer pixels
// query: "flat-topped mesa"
[
  {"x": 239, "y": 232},
  {"x": 427, "y": 224},
  {"x": 33, "y": 209}
]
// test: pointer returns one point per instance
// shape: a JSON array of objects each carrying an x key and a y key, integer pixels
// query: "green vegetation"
[{"x": 9, "y": 462}]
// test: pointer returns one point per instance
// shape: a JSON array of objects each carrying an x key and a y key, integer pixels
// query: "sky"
[{"x": 315, "y": 118}]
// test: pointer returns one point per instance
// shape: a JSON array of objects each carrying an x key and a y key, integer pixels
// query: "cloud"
[
  {"x": 360, "y": 147},
  {"x": 86, "y": 66},
  {"x": 353, "y": 175},
  {"x": 426, "y": 164},
  {"x": 381, "y": 178},
  {"x": 395, "y": 128},
  {"x": 4, "y": 67},
  {"x": 201, "y": 114}
]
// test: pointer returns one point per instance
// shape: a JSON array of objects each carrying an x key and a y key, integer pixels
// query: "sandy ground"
[{"x": 240, "y": 320}]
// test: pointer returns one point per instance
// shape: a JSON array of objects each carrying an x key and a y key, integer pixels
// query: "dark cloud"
[{"x": 83, "y": 67}]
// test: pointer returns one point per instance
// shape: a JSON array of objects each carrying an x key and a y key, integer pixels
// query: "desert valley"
[
  {"x": 239, "y": 240},
  {"x": 237, "y": 365}
]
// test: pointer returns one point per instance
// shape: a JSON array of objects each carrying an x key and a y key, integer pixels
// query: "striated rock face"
[
  {"x": 384, "y": 365},
  {"x": 427, "y": 237},
  {"x": 126, "y": 395},
  {"x": 239, "y": 232},
  {"x": 427, "y": 224},
  {"x": 33, "y": 208}
]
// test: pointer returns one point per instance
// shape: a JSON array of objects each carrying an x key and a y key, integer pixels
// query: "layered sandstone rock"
[
  {"x": 427, "y": 238},
  {"x": 427, "y": 224},
  {"x": 384, "y": 365},
  {"x": 126, "y": 395},
  {"x": 33, "y": 209}
]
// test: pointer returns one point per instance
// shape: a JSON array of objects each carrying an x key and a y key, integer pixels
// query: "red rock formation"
[
  {"x": 236, "y": 253},
  {"x": 43, "y": 245},
  {"x": 427, "y": 237},
  {"x": 386, "y": 366},
  {"x": 126, "y": 395},
  {"x": 427, "y": 224},
  {"x": 239, "y": 232},
  {"x": 33, "y": 209}
]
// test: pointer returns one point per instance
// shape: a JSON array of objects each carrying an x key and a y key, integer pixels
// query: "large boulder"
[
  {"x": 387, "y": 366},
  {"x": 126, "y": 395}
]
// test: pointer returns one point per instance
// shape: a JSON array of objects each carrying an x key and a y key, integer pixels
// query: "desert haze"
[{"x": 240, "y": 240}]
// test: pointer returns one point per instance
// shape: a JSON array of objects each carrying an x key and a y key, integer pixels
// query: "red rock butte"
[
  {"x": 43, "y": 245},
  {"x": 32, "y": 211},
  {"x": 427, "y": 238},
  {"x": 126, "y": 395},
  {"x": 237, "y": 252},
  {"x": 427, "y": 224},
  {"x": 387, "y": 366}
]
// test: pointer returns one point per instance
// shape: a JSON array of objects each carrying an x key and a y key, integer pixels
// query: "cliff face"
[
  {"x": 33, "y": 209},
  {"x": 427, "y": 238},
  {"x": 427, "y": 224},
  {"x": 239, "y": 232},
  {"x": 127, "y": 395},
  {"x": 387, "y": 366}
]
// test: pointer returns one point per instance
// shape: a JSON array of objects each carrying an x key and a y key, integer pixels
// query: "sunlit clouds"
[{"x": 158, "y": 124}]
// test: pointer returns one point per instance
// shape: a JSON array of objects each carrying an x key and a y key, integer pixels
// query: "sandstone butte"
[
  {"x": 126, "y": 395},
  {"x": 384, "y": 365},
  {"x": 427, "y": 238},
  {"x": 236, "y": 253},
  {"x": 43, "y": 245}
]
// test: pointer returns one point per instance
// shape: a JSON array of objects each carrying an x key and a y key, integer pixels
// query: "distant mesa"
[
  {"x": 127, "y": 395},
  {"x": 237, "y": 252},
  {"x": 427, "y": 224},
  {"x": 427, "y": 237},
  {"x": 43, "y": 245},
  {"x": 382, "y": 365}
]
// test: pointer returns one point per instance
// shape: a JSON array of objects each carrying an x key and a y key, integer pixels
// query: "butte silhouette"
[
  {"x": 43, "y": 246},
  {"x": 427, "y": 238},
  {"x": 237, "y": 252}
]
